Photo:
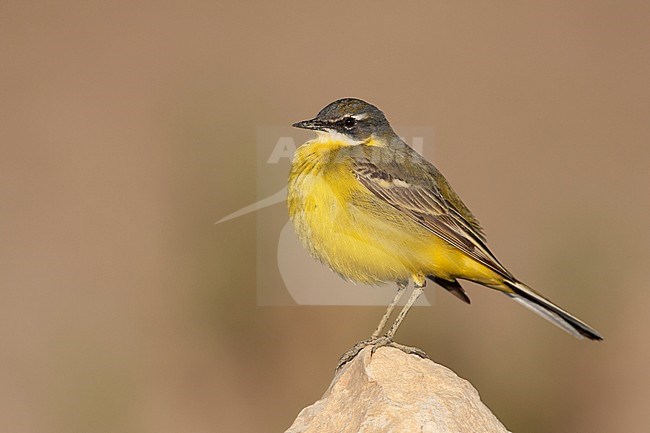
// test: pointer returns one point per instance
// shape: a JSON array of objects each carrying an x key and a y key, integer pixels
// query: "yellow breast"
[{"x": 355, "y": 233}]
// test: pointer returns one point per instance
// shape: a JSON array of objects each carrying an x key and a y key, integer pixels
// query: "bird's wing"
[{"x": 420, "y": 198}]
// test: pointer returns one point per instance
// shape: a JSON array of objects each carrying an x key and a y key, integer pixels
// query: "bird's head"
[{"x": 352, "y": 119}]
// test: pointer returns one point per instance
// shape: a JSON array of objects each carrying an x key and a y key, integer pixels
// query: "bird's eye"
[{"x": 349, "y": 122}]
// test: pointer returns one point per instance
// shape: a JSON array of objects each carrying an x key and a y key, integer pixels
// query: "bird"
[{"x": 367, "y": 205}]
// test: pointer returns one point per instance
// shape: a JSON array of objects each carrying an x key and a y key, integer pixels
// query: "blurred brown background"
[{"x": 128, "y": 128}]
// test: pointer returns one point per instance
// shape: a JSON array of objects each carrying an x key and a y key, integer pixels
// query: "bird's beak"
[{"x": 315, "y": 124}]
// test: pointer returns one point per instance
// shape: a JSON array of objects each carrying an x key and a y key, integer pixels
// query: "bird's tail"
[{"x": 551, "y": 312}]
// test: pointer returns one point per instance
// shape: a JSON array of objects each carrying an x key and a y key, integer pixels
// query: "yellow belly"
[{"x": 361, "y": 237}]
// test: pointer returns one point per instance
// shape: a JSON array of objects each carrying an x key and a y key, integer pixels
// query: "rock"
[{"x": 391, "y": 391}]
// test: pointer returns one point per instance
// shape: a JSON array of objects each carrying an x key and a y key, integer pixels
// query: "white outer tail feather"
[
  {"x": 548, "y": 315},
  {"x": 551, "y": 312}
]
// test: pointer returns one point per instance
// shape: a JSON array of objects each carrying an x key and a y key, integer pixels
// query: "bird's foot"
[
  {"x": 350, "y": 354},
  {"x": 409, "y": 350},
  {"x": 376, "y": 343}
]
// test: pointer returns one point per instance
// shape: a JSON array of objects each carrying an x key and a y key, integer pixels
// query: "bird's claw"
[{"x": 376, "y": 343}]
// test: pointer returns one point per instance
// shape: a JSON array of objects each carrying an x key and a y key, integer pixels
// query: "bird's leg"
[
  {"x": 417, "y": 291},
  {"x": 350, "y": 354},
  {"x": 401, "y": 287},
  {"x": 387, "y": 340}
]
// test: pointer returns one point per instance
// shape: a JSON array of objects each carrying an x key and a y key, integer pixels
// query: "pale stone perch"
[{"x": 392, "y": 392}]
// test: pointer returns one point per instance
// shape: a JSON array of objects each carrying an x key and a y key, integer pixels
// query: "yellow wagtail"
[{"x": 374, "y": 210}]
